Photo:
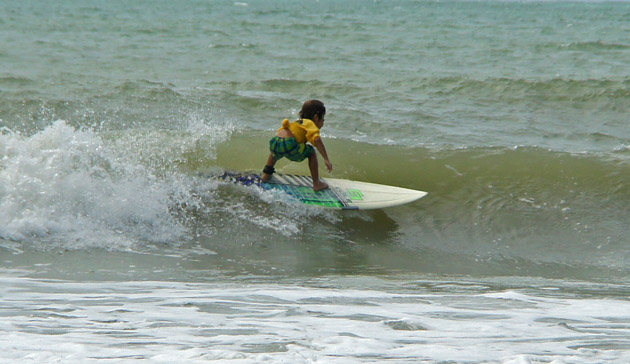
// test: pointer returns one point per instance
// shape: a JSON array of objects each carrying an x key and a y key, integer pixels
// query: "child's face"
[{"x": 319, "y": 121}]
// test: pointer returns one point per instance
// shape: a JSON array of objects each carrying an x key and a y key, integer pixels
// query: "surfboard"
[{"x": 342, "y": 195}]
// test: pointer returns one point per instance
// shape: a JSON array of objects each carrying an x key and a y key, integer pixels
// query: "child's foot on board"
[
  {"x": 265, "y": 177},
  {"x": 319, "y": 185}
]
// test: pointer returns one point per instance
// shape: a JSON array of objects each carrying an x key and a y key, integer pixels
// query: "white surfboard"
[{"x": 342, "y": 194}]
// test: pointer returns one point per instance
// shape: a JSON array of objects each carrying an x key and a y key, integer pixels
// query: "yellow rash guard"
[{"x": 303, "y": 130}]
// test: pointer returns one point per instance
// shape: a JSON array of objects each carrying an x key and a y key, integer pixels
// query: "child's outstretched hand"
[{"x": 329, "y": 165}]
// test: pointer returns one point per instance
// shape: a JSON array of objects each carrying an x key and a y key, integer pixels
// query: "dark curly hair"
[{"x": 312, "y": 108}]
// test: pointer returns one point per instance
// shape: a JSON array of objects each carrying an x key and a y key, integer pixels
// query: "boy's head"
[{"x": 312, "y": 108}]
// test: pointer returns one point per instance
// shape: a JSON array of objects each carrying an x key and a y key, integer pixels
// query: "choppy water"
[{"x": 512, "y": 115}]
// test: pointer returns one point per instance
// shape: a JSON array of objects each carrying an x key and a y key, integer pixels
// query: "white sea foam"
[
  {"x": 67, "y": 187},
  {"x": 58, "y": 321},
  {"x": 273, "y": 210}
]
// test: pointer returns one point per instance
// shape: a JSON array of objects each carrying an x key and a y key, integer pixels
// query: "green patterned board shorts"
[{"x": 289, "y": 148}]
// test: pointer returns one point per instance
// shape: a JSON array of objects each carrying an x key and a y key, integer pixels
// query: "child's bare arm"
[{"x": 319, "y": 144}]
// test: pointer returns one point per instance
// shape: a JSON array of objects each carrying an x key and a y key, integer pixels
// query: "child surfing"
[{"x": 291, "y": 142}]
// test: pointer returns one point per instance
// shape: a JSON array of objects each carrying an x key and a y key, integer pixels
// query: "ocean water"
[{"x": 116, "y": 247}]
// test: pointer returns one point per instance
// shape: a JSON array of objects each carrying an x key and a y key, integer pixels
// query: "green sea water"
[
  {"x": 415, "y": 73},
  {"x": 512, "y": 115}
]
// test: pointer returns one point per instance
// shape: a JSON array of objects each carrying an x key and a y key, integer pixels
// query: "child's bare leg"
[
  {"x": 318, "y": 185},
  {"x": 271, "y": 161}
]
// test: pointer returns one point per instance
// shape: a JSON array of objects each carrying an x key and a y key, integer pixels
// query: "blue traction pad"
[{"x": 298, "y": 190}]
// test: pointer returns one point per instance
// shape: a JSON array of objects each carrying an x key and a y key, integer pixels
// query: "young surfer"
[{"x": 290, "y": 142}]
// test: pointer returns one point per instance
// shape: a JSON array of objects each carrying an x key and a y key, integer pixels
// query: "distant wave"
[
  {"x": 14, "y": 80},
  {"x": 587, "y": 46},
  {"x": 515, "y": 89}
]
